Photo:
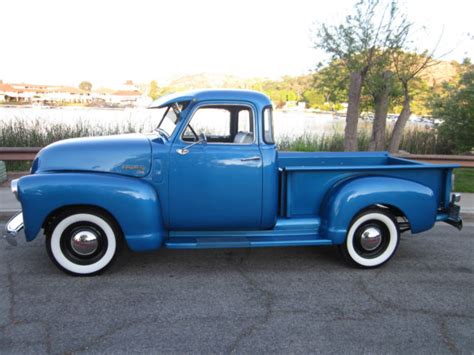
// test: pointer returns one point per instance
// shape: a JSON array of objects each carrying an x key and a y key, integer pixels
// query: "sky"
[{"x": 108, "y": 42}]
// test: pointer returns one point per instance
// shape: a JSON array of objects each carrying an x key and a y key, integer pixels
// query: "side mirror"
[{"x": 185, "y": 150}]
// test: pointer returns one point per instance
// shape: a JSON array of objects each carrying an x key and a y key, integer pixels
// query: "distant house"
[
  {"x": 6, "y": 91},
  {"x": 28, "y": 93},
  {"x": 129, "y": 95},
  {"x": 126, "y": 95},
  {"x": 45, "y": 94},
  {"x": 66, "y": 94},
  {"x": 103, "y": 95},
  {"x": 13, "y": 93}
]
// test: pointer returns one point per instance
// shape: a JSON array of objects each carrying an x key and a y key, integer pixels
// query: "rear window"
[{"x": 268, "y": 125}]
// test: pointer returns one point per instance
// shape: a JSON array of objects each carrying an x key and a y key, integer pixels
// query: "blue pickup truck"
[{"x": 210, "y": 176}]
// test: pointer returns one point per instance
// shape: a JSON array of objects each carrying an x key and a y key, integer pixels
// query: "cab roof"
[{"x": 213, "y": 94}]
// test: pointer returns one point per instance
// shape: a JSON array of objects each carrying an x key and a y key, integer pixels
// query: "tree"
[
  {"x": 360, "y": 42},
  {"x": 408, "y": 66},
  {"x": 314, "y": 98},
  {"x": 154, "y": 91},
  {"x": 457, "y": 110},
  {"x": 381, "y": 89},
  {"x": 332, "y": 82},
  {"x": 85, "y": 85},
  {"x": 287, "y": 89}
]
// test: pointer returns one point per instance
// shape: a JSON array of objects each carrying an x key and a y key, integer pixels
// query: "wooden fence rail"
[
  {"x": 18, "y": 153},
  {"x": 467, "y": 161}
]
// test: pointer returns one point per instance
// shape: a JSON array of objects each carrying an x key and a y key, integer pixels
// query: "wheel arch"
[
  {"x": 131, "y": 202},
  {"x": 400, "y": 216},
  {"x": 51, "y": 217},
  {"x": 406, "y": 199}
]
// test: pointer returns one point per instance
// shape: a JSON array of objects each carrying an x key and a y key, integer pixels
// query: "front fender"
[
  {"x": 131, "y": 201},
  {"x": 346, "y": 199}
]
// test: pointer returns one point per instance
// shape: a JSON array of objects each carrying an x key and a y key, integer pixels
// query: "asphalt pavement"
[{"x": 274, "y": 300}]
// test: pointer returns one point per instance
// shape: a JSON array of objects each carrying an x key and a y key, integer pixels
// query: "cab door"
[{"x": 216, "y": 184}]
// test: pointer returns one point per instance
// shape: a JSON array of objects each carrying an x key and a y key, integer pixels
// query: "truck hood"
[{"x": 128, "y": 154}]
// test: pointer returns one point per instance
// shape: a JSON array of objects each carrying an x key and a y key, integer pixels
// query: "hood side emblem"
[{"x": 138, "y": 168}]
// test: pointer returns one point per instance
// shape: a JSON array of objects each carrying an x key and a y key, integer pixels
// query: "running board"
[{"x": 241, "y": 242}]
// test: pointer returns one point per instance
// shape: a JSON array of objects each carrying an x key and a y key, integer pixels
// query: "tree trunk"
[
  {"x": 400, "y": 124},
  {"x": 377, "y": 143},
  {"x": 352, "y": 117}
]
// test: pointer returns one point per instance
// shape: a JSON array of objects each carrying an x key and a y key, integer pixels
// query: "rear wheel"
[
  {"x": 372, "y": 239},
  {"x": 82, "y": 242}
]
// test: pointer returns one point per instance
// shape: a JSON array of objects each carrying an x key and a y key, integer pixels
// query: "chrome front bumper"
[{"x": 13, "y": 227}]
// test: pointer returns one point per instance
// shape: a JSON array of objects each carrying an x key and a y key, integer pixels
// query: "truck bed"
[{"x": 305, "y": 178}]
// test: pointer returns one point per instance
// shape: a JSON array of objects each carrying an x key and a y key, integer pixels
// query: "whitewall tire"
[
  {"x": 83, "y": 243},
  {"x": 372, "y": 239}
]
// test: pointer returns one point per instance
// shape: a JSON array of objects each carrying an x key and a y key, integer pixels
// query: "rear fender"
[
  {"x": 347, "y": 198},
  {"x": 131, "y": 201}
]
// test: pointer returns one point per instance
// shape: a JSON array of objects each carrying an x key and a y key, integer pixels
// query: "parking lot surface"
[{"x": 283, "y": 300}]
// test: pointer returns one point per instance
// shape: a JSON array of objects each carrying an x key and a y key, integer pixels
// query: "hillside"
[
  {"x": 202, "y": 80},
  {"x": 436, "y": 74},
  {"x": 440, "y": 72}
]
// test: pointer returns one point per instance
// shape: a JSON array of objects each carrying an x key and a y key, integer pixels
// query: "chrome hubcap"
[
  {"x": 371, "y": 238},
  {"x": 84, "y": 243}
]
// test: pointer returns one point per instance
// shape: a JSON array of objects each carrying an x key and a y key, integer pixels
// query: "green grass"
[
  {"x": 464, "y": 180},
  {"x": 22, "y": 133},
  {"x": 413, "y": 141}
]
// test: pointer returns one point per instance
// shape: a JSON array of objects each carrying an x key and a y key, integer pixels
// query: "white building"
[{"x": 125, "y": 95}]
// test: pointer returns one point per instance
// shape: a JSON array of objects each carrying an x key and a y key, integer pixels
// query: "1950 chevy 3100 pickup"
[{"x": 210, "y": 176}]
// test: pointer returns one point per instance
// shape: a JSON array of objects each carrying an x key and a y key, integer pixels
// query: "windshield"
[{"x": 169, "y": 120}]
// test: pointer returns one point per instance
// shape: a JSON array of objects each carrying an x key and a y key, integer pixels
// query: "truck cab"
[
  {"x": 210, "y": 176},
  {"x": 222, "y": 160}
]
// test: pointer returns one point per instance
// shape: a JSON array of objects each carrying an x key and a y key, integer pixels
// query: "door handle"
[{"x": 250, "y": 159}]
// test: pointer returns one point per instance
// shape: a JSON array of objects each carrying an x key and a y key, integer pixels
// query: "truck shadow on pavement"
[{"x": 285, "y": 258}]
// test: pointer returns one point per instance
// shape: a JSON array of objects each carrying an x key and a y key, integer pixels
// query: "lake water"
[{"x": 286, "y": 123}]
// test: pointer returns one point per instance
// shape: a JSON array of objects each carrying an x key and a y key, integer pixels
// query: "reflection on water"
[
  {"x": 300, "y": 123},
  {"x": 292, "y": 123}
]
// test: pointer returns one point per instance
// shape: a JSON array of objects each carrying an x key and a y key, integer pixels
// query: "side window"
[
  {"x": 221, "y": 124},
  {"x": 244, "y": 121},
  {"x": 268, "y": 126},
  {"x": 214, "y": 122}
]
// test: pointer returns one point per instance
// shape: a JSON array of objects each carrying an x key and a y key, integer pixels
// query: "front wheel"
[
  {"x": 82, "y": 243},
  {"x": 372, "y": 239}
]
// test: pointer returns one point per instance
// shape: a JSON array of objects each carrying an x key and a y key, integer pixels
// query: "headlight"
[{"x": 14, "y": 187}]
